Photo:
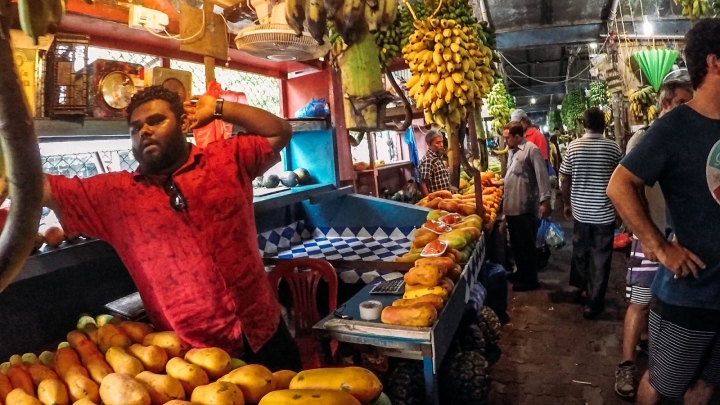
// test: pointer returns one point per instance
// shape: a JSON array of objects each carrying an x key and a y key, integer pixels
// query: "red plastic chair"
[{"x": 303, "y": 276}]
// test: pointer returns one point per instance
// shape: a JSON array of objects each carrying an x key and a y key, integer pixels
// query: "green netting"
[{"x": 655, "y": 64}]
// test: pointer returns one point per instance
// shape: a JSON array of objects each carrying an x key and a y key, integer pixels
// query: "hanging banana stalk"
[{"x": 18, "y": 140}]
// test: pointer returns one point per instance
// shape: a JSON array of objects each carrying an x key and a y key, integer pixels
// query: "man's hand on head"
[{"x": 200, "y": 111}]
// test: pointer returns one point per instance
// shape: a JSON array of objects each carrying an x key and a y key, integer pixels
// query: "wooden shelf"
[{"x": 392, "y": 165}]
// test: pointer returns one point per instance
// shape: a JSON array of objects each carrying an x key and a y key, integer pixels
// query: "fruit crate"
[{"x": 66, "y": 78}]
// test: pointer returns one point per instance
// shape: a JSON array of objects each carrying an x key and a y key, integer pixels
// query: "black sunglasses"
[{"x": 177, "y": 200}]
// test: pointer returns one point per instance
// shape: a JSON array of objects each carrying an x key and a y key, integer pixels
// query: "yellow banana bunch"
[
  {"x": 641, "y": 100},
  {"x": 694, "y": 9},
  {"x": 449, "y": 70},
  {"x": 35, "y": 15}
]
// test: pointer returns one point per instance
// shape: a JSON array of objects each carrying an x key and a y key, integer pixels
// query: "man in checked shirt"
[{"x": 434, "y": 175}]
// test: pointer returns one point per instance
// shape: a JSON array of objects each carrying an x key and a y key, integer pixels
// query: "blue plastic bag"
[
  {"x": 314, "y": 109},
  {"x": 550, "y": 234}
]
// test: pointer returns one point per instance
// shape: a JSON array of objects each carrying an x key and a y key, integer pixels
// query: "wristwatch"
[{"x": 219, "y": 108}]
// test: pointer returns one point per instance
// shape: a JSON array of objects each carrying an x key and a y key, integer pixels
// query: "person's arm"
[
  {"x": 622, "y": 190},
  {"x": 81, "y": 204},
  {"x": 543, "y": 181},
  {"x": 565, "y": 187},
  {"x": 256, "y": 121},
  {"x": 423, "y": 188}
]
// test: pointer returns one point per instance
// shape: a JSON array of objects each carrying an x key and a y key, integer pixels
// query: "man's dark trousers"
[
  {"x": 591, "y": 261},
  {"x": 523, "y": 231}
]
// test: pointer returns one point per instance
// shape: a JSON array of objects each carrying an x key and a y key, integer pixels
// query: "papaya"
[
  {"x": 169, "y": 341},
  {"x": 454, "y": 273},
  {"x": 421, "y": 314},
  {"x": 20, "y": 378},
  {"x": 449, "y": 205},
  {"x": 442, "y": 263},
  {"x": 422, "y": 241},
  {"x": 135, "y": 330},
  {"x": 109, "y": 336},
  {"x": 283, "y": 378},
  {"x": 122, "y": 389},
  {"x": 426, "y": 275},
  {"x": 466, "y": 209},
  {"x": 432, "y": 299},
  {"x": 38, "y": 373},
  {"x": 121, "y": 362},
  {"x": 215, "y": 361},
  {"x": 80, "y": 385},
  {"x": 254, "y": 380},
  {"x": 153, "y": 358},
  {"x": 356, "y": 381},
  {"x": 456, "y": 239},
  {"x": 440, "y": 194},
  {"x": 439, "y": 291},
  {"x": 90, "y": 356},
  {"x": 309, "y": 397},
  {"x": 433, "y": 203},
  {"x": 422, "y": 231},
  {"x": 435, "y": 215},
  {"x": 217, "y": 393},
  {"x": 161, "y": 388},
  {"x": 52, "y": 391},
  {"x": 189, "y": 375},
  {"x": 18, "y": 396}
]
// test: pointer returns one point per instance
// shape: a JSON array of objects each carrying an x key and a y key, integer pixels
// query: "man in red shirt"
[
  {"x": 183, "y": 223},
  {"x": 531, "y": 133}
]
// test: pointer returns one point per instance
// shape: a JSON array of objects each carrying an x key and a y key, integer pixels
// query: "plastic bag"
[
  {"x": 217, "y": 129},
  {"x": 315, "y": 108},
  {"x": 549, "y": 234}
]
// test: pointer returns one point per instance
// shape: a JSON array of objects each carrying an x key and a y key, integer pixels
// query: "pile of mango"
[
  {"x": 467, "y": 183},
  {"x": 114, "y": 362},
  {"x": 447, "y": 201},
  {"x": 492, "y": 196},
  {"x": 427, "y": 286},
  {"x": 461, "y": 240}
]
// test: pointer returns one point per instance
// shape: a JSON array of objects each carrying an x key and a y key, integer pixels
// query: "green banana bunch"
[
  {"x": 695, "y": 9},
  {"x": 498, "y": 106},
  {"x": 573, "y": 107},
  {"x": 35, "y": 15},
  {"x": 599, "y": 94},
  {"x": 422, "y": 11},
  {"x": 388, "y": 42},
  {"x": 295, "y": 15},
  {"x": 316, "y": 18}
]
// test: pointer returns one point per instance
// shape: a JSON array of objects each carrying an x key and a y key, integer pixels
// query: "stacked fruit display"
[
  {"x": 460, "y": 244},
  {"x": 642, "y": 103},
  {"x": 127, "y": 363},
  {"x": 498, "y": 107},
  {"x": 450, "y": 70}
]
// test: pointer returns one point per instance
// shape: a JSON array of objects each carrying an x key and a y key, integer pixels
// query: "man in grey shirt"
[{"x": 527, "y": 196}]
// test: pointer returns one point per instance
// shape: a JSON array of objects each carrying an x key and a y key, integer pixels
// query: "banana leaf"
[{"x": 655, "y": 64}]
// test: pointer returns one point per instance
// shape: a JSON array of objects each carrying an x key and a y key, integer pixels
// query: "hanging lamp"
[{"x": 655, "y": 64}]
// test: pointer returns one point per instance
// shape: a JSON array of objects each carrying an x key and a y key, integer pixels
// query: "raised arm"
[{"x": 256, "y": 121}]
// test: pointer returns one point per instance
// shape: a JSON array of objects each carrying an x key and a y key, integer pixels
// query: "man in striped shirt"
[{"x": 585, "y": 172}]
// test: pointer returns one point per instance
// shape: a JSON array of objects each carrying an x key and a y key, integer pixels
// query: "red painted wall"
[{"x": 300, "y": 90}]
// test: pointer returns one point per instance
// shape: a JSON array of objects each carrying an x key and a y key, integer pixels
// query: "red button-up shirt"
[{"x": 198, "y": 271}]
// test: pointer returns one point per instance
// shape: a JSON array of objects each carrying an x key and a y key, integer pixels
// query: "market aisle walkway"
[{"x": 551, "y": 355}]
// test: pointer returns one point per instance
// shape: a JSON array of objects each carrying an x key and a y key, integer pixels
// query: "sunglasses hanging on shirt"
[{"x": 177, "y": 200}]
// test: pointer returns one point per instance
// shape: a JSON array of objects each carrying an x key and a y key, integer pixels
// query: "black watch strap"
[{"x": 219, "y": 108}]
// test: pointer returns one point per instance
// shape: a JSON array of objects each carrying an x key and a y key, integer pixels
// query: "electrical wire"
[{"x": 177, "y": 37}]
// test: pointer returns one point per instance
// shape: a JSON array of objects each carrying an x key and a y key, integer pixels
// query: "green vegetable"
[
  {"x": 498, "y": 106},
  {"x": 573, "y": 107},
  {"x": 599, "y": 94}
]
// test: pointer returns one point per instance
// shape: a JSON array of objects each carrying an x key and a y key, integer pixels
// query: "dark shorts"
[
  {"x": 640, "y": 275},
  {"x": 683, "y": 347}
]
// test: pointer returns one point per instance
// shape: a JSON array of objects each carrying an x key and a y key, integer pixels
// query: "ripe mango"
[
  {"x": 456, "y": 239},
  {"x": 434, "y": 215}
]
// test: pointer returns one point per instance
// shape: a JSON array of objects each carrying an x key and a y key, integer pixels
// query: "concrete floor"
[{"x": 551, "y": 355}]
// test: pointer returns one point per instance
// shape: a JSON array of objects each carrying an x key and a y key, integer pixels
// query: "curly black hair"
[
  {"x": 594, "y": 119},
  {"x": 156, "y": 93},
  {"x": 702, "y": 40}
]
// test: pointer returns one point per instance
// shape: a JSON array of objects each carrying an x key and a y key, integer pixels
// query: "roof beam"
[
  {"x": 538, "y": 90},
  {"x": 538, "y": 37}
]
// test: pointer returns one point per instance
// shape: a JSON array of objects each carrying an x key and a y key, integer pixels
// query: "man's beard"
[{"x": 167, "y": 157}]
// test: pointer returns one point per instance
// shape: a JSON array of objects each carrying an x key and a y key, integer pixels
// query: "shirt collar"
[
  {"x": 592, "y": 135},
  {"x": 194, "y": 157},
  {"x": 521, "y": 145}
]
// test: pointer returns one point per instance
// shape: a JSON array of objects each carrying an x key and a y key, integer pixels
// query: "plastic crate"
[{"x": 66, "y": 78}]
